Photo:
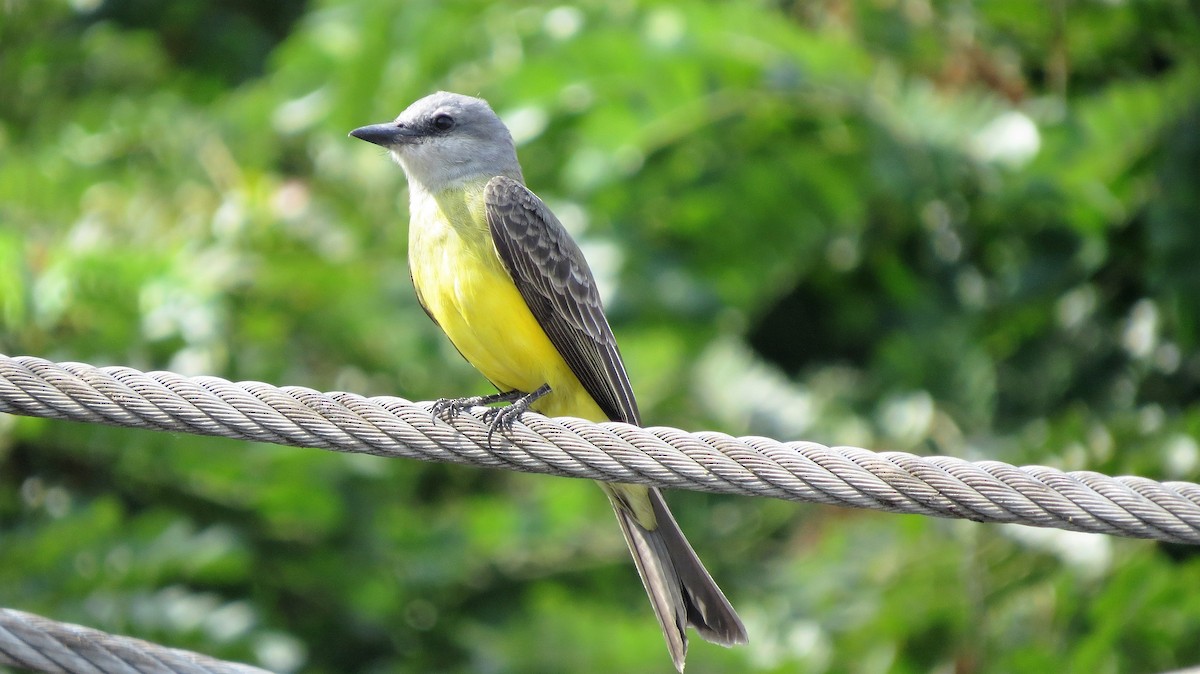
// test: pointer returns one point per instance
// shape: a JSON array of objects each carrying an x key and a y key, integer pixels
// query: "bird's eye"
[{"x": 443, "y": 122}]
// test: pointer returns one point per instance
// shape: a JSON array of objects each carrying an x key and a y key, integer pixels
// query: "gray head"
[{"x": 445, "y": 140}]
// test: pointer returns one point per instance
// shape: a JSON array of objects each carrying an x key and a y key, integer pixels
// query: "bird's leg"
[
  {"x": 448, "y": 408},
  {"x": 503, "y": 417}
]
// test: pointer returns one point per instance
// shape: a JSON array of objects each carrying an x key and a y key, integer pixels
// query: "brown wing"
[{"x": 554, "y": 279}]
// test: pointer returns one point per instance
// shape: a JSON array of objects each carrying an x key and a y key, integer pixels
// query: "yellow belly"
[{"x": 462, "y": 283}]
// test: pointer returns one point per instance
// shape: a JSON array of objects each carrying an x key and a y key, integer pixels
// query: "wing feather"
[{"x": 553, "y": 277}]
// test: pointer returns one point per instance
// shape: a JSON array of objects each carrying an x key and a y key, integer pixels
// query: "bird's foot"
[
  {"x": 448, "y": 408},
  {"x": 503, "y": 418}
]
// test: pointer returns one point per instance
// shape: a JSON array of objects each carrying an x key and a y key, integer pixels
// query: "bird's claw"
[
  {"x": 448, "y": 408},
  {"x": 497, "y": 418},
  {"x": 502, "y": 418}
]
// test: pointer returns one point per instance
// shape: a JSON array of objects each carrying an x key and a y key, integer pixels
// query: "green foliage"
[{"x": 937, "y": 227}]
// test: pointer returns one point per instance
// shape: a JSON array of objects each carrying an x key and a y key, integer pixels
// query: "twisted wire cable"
[
  {"x": 940, "y": 486},
  {"x": 39, "y": 644}
]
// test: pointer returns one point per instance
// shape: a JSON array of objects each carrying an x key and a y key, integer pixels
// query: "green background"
[{"x": 938, "y": 227}]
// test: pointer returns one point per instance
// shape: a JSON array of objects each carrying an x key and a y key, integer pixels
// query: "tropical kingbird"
[{"x": 496, "y": 270}]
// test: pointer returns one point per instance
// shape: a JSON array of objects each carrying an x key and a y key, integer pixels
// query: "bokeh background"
[{"x": 965, "y": 228}]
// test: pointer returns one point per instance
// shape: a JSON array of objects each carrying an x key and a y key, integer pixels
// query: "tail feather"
[
  {"x": 708, "y": 610},
  {"x": 681, "y": 590}
]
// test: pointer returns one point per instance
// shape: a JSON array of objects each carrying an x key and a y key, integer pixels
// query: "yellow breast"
[{"x": 461, "y": 281}]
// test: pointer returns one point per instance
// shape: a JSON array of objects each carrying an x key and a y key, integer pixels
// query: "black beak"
[{"x": 386, "y": 134}]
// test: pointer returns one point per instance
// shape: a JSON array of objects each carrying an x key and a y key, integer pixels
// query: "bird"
[{"x": 500, "y": 275}]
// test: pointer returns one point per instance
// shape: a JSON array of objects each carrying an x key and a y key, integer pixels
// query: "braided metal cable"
[
  {"x": 942, "y": 486},
  {"x": 39, "y": 644}
]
